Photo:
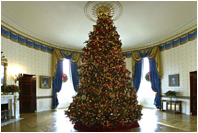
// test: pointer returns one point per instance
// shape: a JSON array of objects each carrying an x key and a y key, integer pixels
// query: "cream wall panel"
[
  {"x": 44, "y": 104},
  {"x": 29, "y": 61},
  {"x": 179, "y": 60}
]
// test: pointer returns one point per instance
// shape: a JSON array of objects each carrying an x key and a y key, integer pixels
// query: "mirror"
[{"x": 4, "y": 64}]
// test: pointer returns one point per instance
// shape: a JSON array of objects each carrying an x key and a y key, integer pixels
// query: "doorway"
[
  {"x": 27, "y": 97},
  {"x": 193, "y": 93},
  {"x": 67, "y": 91}
]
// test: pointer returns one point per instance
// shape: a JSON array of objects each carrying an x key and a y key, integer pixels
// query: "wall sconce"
[{"x": 18, "y": 77}]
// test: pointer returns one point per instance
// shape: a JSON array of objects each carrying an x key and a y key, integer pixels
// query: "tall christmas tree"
[{"x": 105, "y": 100}]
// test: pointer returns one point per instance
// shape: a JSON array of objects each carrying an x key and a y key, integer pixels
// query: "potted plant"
[
  {"x": 170, "y": 94},
  {"x": 12, "y": 89}
]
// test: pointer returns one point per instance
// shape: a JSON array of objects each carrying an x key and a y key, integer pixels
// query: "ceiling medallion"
[{"x": 93, "y": 9}]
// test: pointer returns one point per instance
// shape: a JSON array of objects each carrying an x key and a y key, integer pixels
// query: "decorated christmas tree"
[{"x": 105, "y": 100}]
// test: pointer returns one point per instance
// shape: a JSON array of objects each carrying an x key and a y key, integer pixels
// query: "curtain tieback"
[{"x": 156, "y": 94}]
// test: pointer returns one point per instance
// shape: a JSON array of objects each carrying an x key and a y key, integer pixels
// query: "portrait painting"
[
  {"x": 174, "y": 80},
  {"x": 45, "y": 82}
]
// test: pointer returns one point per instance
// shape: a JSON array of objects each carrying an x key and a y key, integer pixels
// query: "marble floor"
[{"x": 55, "y": 121}]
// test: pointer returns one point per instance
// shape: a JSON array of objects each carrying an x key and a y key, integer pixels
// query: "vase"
[
  {"x": 170, "y": 98},
  {"x": 16, "y": 93},
  {"x": 9, "y": 93}
]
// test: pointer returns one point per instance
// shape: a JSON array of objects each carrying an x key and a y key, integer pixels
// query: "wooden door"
[
  {"x": 193, "y": 92},
  {"x": 27, "y": 96}
]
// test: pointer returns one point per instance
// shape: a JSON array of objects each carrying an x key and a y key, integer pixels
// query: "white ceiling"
[{"x": 63, "y": 24}]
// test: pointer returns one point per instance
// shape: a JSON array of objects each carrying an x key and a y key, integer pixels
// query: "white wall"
[
  {"x": 179, "y": 60},
  {"x": 29, "y": 61}
]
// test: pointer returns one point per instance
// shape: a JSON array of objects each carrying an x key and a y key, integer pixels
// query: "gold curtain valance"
[
  {"x": 154, "y": 53},
  {"x": 59, "y": 54}
]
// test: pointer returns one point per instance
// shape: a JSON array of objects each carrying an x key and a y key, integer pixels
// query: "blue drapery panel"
[
  {"x": 137, "y": 74},
  {"x": 128, "y": 54},
  {"x": 58, "y": 56},
  {"x": 57, "y": 83},
  {"x": 181, "y": 40},
  {"x": 75, "y": 75},
  {"x": 155, "y": 83},
  {"x": 154, "y": 62},
  {"x": 23, "y": 41}
]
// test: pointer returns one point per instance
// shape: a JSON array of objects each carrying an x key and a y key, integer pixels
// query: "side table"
[{"x": 172, "y": 106}]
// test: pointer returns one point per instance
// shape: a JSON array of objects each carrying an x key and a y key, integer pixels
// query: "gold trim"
[
  {"x": 8, "y": 37},
  {"x": 190, "y": 39}
]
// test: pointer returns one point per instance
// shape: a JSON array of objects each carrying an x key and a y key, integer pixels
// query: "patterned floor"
[
  {"x": 55, "y": 121},
  {"x": 10, "y": 121}
]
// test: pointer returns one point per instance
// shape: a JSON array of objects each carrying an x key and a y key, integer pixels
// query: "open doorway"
[
  {"x": 145, "y": 94},
  {"x": 67, "y": 91}
]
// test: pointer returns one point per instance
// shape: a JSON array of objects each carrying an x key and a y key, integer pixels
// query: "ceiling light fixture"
[{"x": 93, "y": 9}]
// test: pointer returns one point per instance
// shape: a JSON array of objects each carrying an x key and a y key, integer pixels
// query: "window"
[
  {"x": 145, "y": 94},
  {"x": 67, "y": 90}
]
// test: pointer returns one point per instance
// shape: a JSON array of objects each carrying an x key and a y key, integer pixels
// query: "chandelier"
[{"x": 93, "y": 9}]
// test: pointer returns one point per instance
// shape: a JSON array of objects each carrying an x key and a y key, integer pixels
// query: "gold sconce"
[{"x": 18, "y": 77}]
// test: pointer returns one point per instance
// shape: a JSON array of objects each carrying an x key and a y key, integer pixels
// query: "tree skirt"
[{"x": 101, "y": 129}]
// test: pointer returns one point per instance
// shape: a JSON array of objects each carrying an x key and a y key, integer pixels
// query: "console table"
[{"x": 172, "y": 106}]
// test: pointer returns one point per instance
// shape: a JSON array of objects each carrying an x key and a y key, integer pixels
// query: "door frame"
[{"x": 191, "y": 91}]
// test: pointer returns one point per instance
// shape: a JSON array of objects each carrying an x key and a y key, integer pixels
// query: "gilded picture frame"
[
  {"x": 45, "y": 82},
  {"x": 174, "y": 80}
]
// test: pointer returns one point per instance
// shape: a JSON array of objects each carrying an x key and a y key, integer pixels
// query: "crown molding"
[
  {"x": 180, "y": 31},
  {"x": 9, "y": 23}
]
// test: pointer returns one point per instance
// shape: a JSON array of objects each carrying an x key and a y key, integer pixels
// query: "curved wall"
[{"x": 179, "y": 60}]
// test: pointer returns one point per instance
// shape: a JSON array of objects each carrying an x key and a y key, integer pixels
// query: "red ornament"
[
  {"x": 147, "y": 77},
  {"x": 64, "y": 78},
  {"x": 99, "y": 30},
  {"x": 93, "y": 47}
]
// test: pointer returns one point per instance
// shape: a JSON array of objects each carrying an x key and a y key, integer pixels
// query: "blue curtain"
[
  {"x": 57, "y": 83},
  {"x": 155, "y": 83},
  {"x": 75, "y": 75},
  {"x": 137, "y": 76},
  {"x": 57, "y": 79}
]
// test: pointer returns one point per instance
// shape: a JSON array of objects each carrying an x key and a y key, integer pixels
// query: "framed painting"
[
  {"x": 174, "y": 80},
  {"x": 45, "y": 82}
]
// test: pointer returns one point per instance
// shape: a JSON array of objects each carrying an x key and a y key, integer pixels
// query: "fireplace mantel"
[
  {"x": 13, "y": 104},
  {"x": 4, "y": 98}
]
